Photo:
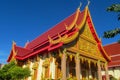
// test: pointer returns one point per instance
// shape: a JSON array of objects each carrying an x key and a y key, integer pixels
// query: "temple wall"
[
  {"x": 115, "y": 72},
  {"x": 31, "y": 65},
  {"x": 40, "y": 70},
  {"x": 52, "y": 69}
]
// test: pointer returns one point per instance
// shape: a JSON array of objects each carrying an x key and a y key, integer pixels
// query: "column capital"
[
  {"x": 63, "y": 64},
  {"x": 98, "y": 62},
  {"x": 64, "y": 51},
  {"x": 106, "y": 64},
  {"x": 77, "y": 55}
]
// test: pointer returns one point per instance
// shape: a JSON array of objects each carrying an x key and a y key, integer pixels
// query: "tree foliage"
[
  {"x": 114, "y": 8},
  {"x": 114, "y": 32},
  {"x": 111, "y": 33},
  {"x": 13, "y": 72}
]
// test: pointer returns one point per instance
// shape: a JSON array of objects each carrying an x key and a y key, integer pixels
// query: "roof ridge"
[
  {"x": 115, "y": 55},
  {"x": 110, "y": 44},
  {"x": 50, "y": 29},
  {"x": 22, "y": 48}
]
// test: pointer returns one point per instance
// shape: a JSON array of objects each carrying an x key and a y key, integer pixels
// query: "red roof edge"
[
  {"x": 12, "y": 51},
  {"x": 91, "y": 26},
  {"x": 34, "y": 53},
  {"x": 55, "y": 47},
  {"x": 10, "y": 56}
]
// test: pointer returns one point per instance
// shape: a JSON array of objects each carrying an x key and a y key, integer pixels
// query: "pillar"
[
  {"x": 106, "y": 71},
  {"x": 35, "y": 68},
  {"x": 99, "y": 71},
  {"x": 63, "y": 65},
  {"x": 90, "y": 73},
  {"x": 77, "y": 60}
]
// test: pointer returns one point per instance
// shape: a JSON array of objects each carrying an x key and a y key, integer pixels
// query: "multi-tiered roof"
[{"x": 63, "y": 33}]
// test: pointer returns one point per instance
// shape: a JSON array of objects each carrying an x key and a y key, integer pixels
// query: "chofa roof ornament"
[
  {"x": 88, "y": 2},
  {"x": 80, "y": 5}
]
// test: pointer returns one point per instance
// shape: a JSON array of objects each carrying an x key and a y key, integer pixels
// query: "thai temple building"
[
  {"x": 114, "y": 66},
  {"x": 69, "y": 50}
]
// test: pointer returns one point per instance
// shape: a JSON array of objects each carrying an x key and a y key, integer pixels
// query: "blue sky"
[{"x": 24, "y": 20}]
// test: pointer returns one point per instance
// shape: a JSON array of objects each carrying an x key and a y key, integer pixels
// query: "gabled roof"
[
  {"x": 21, "y": 52},
  {"x": 113, "y": 51},
  {"x": 53, "y": 32},
  {"x": 62, "y": 33}
]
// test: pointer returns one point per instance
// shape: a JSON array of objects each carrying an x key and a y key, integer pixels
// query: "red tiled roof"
[
  {"x": 10, "y": 56},
  {"x": 115, "y": 58},
  {"x": 114, "y": 64},
  {"x": 42, "y": 42},
  {"x": 114, "y": 51},
  {"x": 59, "y": 28},
  {"x": 115, "y": 61},
  {"x": 22, "y": 51}
]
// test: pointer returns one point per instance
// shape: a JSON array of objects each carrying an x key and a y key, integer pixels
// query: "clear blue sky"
[{"x": 24, "y": 20}]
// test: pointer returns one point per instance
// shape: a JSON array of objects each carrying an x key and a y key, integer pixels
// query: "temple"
[
  {"x": 114, "y": 66},
  {"x": 69, "y": 50}
]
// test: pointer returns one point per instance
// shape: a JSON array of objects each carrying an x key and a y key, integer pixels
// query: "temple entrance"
[
  {"x": 58, "y": 68},
  {"x": 85, "y": 70},
  {"x": 94, "y": 71},
  {"x": 88, "y": 70},
  {"x": 71, "y": 71}
]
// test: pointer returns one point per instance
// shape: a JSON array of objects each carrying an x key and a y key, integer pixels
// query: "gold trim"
[
  {"x": 74, "y": 21},
  {"x": 84, "y": 19},
  {"x": 83, "y": 53},
  {"x": 97, "y": 35},
  {"x": 14, "y": 52},
  {"x": 70, "y": 39},
  {"x": 88, "y": 39}
]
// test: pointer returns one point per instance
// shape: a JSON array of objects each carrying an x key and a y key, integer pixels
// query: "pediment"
[{"x": 87, "y": 42}]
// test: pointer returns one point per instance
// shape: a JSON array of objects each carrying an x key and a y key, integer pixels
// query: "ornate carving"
[
  {"x": 35, "y": 65},
  {"x": 46, "y": 63},
  {"x": 71, "y": 56},
  {"x": 86, "y": 32}
]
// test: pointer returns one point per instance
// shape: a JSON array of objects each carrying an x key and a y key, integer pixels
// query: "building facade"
[
  {"x": 69, "y": 50},
  {"x": 114, "y": 66}
]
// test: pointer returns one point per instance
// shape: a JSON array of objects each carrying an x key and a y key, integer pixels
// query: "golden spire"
[
  {"x": 88, "y": 2},
  {"x": 26, "y": 43},
  {"x": 80, "y": 5},
  {"x": 13, "y": 43}
]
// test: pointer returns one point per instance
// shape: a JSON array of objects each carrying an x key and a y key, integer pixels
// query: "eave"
[{"x": 12, "y": 52}]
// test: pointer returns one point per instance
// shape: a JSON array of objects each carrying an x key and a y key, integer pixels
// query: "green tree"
[
  {"x": 116, "y": 31},
  {"x": 13, "y": 72}
]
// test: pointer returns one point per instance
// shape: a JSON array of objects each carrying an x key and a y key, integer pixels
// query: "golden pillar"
[
  {"x": 90, "y": 73},
  {"x": 106, "y": 71},
  {"x": 63, "y": 65},
  {"x": 77, "y": 60},
  {"x": 99, "y": 71}
]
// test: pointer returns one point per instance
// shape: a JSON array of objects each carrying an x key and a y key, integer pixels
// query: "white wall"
[
  {"x": 115, "y": 72},
  {"x": 40, "y": 69}
]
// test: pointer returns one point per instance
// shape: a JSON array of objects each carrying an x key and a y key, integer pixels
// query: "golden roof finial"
[
  {"x": 13, "y": 42},
  {"x": 88, "y": 2},
  {"x": 26, "y": 43},
  {"x": 80, "y": 5}
]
